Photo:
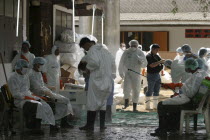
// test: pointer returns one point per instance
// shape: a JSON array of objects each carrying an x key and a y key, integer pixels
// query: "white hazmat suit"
[
  {"x": 63, "y": 105},
  {"x": 52, "y": 69},
  {"x": 102, "y": 68},
  {"x": 134, "y": 60},
  {"x": 19, "y": 86}
]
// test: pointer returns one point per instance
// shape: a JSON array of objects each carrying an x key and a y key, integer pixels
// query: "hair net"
[
  {"x": 39, "y": 60},
  {"x": 200, "y": 63},
  {"x": 21, "y": 63},
  {"x": 133, "y": 42},
  {"x": 191, "y": 63},
  {"x": 26, "y": 42},
  {"x": 92, "y": 38},
  {"x": 202, "y": 52},
  {"x": 186, "y": 48},
  {"x": 54, "y": 48},
  {"x": 168, "y": 63},
  {"x": 179, "y": 50}
]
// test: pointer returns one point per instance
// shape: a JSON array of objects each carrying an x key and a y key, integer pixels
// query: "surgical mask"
[
  {"x": 133, "y": 48},
  {"x": 41, "y": 68},
  {"x": 25, "y": 53},
  {"x": 24, "y": 71}
]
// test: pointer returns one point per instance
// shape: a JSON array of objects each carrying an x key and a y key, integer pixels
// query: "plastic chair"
[
  {"x": 185, "y": 114},
  {"x": 9, "y": 108}
]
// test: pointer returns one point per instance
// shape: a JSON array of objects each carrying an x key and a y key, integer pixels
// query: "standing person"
[
  {"x": 180, "y": 55},
  {"x": 62, "y": 104},
  {"x": 117, "y": 60},
  {"x": 24, "y": 54},
  {"x": 102, "y": 69},
  {"x": 34, "y": 108},
  {"x": 155, "y": 65},
  {"x": 132, "y": 60},
  {"x": 52, "y": 70}
]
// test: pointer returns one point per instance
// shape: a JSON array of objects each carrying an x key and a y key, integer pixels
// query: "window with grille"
[{"x": 197, "y": 33}]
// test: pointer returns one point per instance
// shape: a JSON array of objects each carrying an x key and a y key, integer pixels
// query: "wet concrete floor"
[{"x": 125, "y": 126}]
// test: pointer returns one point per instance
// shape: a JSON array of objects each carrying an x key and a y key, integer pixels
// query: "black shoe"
[
  {"x": 134, "y": 107},
  {"x": 159, "y": 132},
  {"x": 91, "y": 115},
  {"x": 86, "y": 127},
  {"x": 126, "y": 104},
  {"x": 54, "y": 128}
]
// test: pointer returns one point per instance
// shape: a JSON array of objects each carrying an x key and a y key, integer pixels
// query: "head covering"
[
  {"x": 21, "y": 63},
  {"x": 202, "y": 52},
  {"x": 179, "y": 50},
  {"x": 133, "y": 42},
  {"x": 186, "y": 48},
  {"x": 54, "y": 48},
  {"x": 201, "y": 63},
  {"x": 92, "y": 38},
  {"x": 39, "y": 60},
  {"x": 168, "y": 63},
  {"x": 154, "y": 46},
  {"x": 27, "y": 42},
  {"x": 191, "y": 63}
]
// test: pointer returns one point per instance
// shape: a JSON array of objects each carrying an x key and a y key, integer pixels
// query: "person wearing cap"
[
  {"x": 62, "y": 104},
  {"x": 24, "y": 54},
  {"x": 187, "y": 51},
  {"x": 169, "y": 110},
  {"x": 154, "y": 67},
  {"x": 132, "y": 60},
  {"x": 180, "y": 55},
  {"x": 34, "y": 108},
  {"x": 52, "y": 70},
  {"x": 101, "y": 65}
]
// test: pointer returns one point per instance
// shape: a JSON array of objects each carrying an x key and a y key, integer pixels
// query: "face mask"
[
  {"x": 24, "y": 71},
  {"x": 25, "y": 53},
  {"x": 133, "y": 49},
  {"x": 40, "y": 68}
]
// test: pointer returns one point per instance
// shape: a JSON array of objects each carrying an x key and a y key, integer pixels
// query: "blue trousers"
[{"x": 154, "y": 83}]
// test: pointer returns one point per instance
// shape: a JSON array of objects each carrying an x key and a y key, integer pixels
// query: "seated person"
[
  {"x": 34, "y": 108},
  {"x": 169, "y": 110},
  {"x": 62, "y": 104}
]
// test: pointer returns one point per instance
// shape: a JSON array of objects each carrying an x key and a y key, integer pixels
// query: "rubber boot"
[
  {"x": 134, "y": 107},
  {"x": 91, "y": 115},
  {"x": 64, "y": 123},
  {"x": 155, "y": 101},
  {"x": 148, "y": 103},
  {"x": 126, "y": 103},
  {"x": 102, "y": 119},
  {"x": 109, "y": 113}
]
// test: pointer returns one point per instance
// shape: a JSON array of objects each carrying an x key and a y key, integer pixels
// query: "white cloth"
[
  {"x": 189, "y": 89},
  {"x": 134, "y": 60},
  {"x": 19, "y": 87},
  {"x": 30, "y": 57},
  {"x": 63, "y": 105},
  {"x": 178, "y": 72},
  {"x": 118, "y": 56},
  {"x": 102, "y": 68},
  {"x": 53, "y": 72}
]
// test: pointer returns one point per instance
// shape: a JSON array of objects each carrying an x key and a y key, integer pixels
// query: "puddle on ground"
[{"x": 125, "y": 126}]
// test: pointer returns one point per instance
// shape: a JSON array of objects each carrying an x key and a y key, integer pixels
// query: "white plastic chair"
[{"x": 185, "y": 114}]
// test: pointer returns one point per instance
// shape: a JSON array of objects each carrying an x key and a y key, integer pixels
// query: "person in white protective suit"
[
  {"x": 202, "y": 53},
  {"x": 169, "y": 110},
  {"x": 34, "y": 108},
  {"x": 180, "y": 55},
  {"x": 52, "y": 70},
  {"x": 178, "y": 73},
  {"x": 101, "y": 65},
  {"x": 118, "y": 56},
  {"x": 62, "y": 104},
  {"x": 132, "y": 60},
  {"x": 24, "y": 54}
]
